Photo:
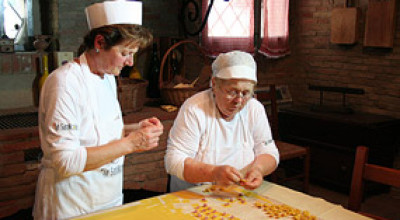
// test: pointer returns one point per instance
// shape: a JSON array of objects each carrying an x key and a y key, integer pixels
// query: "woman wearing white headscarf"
[
  {"x": 80, "y": 121},
  {"x": 222, "y": 135}
]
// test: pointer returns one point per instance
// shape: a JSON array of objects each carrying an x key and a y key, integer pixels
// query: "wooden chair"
[
  {"x": 287, "y": 151},
  {"x": 364, "y": 171}
]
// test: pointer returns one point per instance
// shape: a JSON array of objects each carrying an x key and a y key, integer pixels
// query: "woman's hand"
[
  {"x": 146, "y": 136},
  {"x": 253, "y": 179},
  {"x": 254, "y": 173},
  {"x": 129, "y": 128},
  {"x": 150, "y": 121},
  {"x": 225, "y": 175}
]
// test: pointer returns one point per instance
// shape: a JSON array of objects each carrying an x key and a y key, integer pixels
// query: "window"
[
  {"x": 275, "y": 28},
  {"x": 230, "y": 19},
  {"x": 16, "y": 17},
  {"x": 230, "y": 26}
]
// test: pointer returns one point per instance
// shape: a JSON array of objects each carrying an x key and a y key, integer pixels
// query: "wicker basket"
[
  {"x": 176, "y": 96},
  {"x": 131, "y": 94}
]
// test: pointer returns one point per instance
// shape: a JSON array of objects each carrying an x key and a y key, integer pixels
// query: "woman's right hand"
[
  {"x": 146, "y": 137},
  {"x": 226, "y": 175}
]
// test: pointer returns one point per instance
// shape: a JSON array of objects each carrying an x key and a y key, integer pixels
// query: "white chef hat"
[
  {"x": 235, "y": 65},
  {"x": 114, "y": 12}
]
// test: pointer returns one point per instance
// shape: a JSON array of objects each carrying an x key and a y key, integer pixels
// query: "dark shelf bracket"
[{"x": 344, "y": 90}]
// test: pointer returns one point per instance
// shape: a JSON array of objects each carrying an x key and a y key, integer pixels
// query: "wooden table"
[
  {"x": 181, "y": 205},
  {"x": 333, "y": 139}
]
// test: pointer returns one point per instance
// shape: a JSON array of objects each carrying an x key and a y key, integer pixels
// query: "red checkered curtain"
[
  {"x": 230, "y": 26},
  {"x": 275, "y": 26}
]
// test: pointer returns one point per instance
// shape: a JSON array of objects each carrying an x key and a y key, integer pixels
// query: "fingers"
[
  {"x": 253, "y": 180},
  {"x": 151, "y": 125},
  {"x": 151, "y": 136},
  {"x": 155, "y": 121},
  {"x": 151, "y": 132},
  {"x": 226, "y": 175},
  {"x": 145, "y": 123},
  {"x": 147, "y": 136},
  {"x": 254, "y": 184},
  {"x": 236, "y": 176},
  {"x": 151, "y": 122},
  {"x": 143, "y": 142}
]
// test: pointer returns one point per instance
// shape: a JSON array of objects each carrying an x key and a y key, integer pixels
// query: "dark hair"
[{"x": 115, "y": 34}]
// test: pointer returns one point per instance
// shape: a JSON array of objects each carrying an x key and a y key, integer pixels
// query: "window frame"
[
  {"x": 259, "y": 43},
  {"x": 240, "y": 43},
  {"x": 23, "y": 44}
]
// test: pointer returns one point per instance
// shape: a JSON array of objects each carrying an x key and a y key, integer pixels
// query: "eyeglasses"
[{"x": 232, "y": 94}]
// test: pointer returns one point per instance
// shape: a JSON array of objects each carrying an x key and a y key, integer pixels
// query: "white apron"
[
  {"x": 224, "y": 143},
  {"x": 60, "y": 197}
]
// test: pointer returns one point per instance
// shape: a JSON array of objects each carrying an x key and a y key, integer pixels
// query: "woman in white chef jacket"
[
  {"x": 222, "y": 135},
  {"x": 82, "y": 134}
]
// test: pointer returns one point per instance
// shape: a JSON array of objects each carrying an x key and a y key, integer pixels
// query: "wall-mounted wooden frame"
[
  {"x": 345, "y": 24},
  {"x": 380, "y": 23}
]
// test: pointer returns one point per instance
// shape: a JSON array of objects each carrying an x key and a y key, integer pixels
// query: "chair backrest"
[
  {"x": 364, "y": 171},
  {"x": 267, "y": 95}
]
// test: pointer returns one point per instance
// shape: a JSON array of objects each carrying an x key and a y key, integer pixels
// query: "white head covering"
[
  {"x": 235, "y": 65},
  {"x": 114, "y": 12}
]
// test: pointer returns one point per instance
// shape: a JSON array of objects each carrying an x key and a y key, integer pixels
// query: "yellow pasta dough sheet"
[{"x": 205, "y": 203}]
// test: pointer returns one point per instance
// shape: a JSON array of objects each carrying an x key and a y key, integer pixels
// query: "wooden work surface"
[{"x": 189, "y": 203}]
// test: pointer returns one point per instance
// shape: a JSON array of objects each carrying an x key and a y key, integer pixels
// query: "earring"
[{"x": 97, "y": 50}]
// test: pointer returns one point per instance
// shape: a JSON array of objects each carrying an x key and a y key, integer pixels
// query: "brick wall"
[
  {"x": 19, "y": 170},
  {"x": 146, "y": 170},
  {"x": 160, "y": 16},
  {"x": 314, "y": 60},
  {"x": 66, "y": 22},
  {"x": 17, "y": 177}
]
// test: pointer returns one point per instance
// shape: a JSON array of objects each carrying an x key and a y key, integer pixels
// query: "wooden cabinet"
[{"x": 333, "y": 139}]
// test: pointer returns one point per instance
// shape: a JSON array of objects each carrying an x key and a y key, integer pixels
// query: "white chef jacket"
[
  {"x": 201, "y": 133},
  {"x": 73, "y": 100}
]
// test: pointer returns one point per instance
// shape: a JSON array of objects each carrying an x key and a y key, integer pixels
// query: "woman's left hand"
[
  {"x": 129, "y": 128},
  {"x": 150, "y": 121},
  {"x": 253, "y": 179}
]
